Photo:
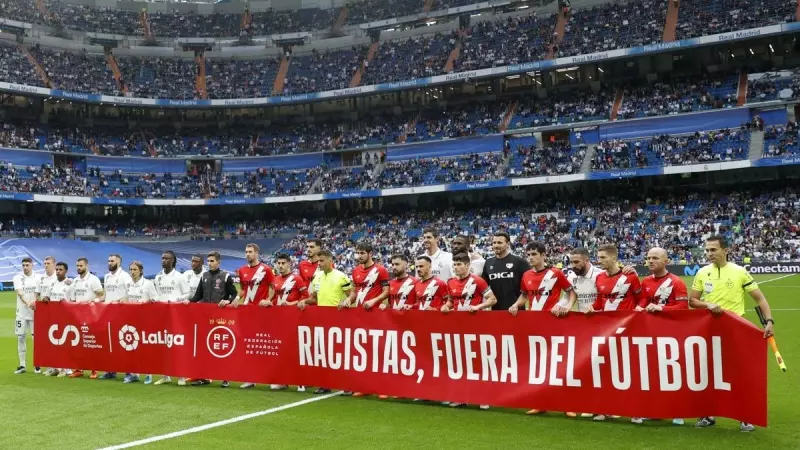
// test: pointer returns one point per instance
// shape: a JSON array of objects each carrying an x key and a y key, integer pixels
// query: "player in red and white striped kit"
[
  {"x": 542, "y": 285},
  {"x": 402, "y": 287},
  {"x": 432, "y": 292},
  {"x": 663, "y": 291},
  {"x": 255, "y": 277},
  {"x": 288, "y": 288},
  {"x": 541, "y": 290}
]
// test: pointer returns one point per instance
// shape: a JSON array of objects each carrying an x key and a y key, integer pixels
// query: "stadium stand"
[
  {"x": 15, "y": 67},
  {"x": 562, "y": 108},
  {"x": 704, "y": 17},
  {"x": 781, "y": 140},
  {"x": 240, "y": 78},
  {"x": 613, "y": 26},
  {"x": 322, "y": 71},
  {"x": 410, "y": 58},
  {"x": 529, "y": 161},
  {"x": 679, "y": 96},
  {"x": 159, "y": 77},
  {"x": 773, "y": 86},
  {"x": 506, "y": 41},
  {"x": 722, "y": 145}
]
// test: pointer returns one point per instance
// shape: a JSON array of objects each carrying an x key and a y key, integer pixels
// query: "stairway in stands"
[
  {"x": 280, "y": 78},
  {"x": 671, "y": 24},
  {"x": 561, "y": 25},
  {"x": 37, "y": 66},
  {"x": 356, "y": 80},
  {"x": 756, "y": 150}
]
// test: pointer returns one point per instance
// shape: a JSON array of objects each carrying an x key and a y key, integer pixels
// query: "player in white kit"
[
  {"x": 86, "y": 288},
  {"x": 460, "y": 244},
  {"x": 140, "y": 290},
  {"x": 195, "y": 274},
  {"x": 582, "y": 276},
  {"x": 171, "y": 287},
  {"x": 25, "y": 284},
  {"x": 441, "y": 261},
  {"x": 115, "y": 284},
  {"x": 59, "y": 291},
  {"x": 43, "y": 287}
]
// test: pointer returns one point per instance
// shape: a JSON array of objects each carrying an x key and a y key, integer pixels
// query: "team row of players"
[{"x": 464, "y": 281}]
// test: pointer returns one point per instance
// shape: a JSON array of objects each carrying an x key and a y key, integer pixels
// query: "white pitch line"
[
  {"x": 221, "y": 423},
  {"x": 777, "y": 278}
]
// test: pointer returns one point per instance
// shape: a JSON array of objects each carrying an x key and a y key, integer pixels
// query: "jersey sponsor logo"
[
  {"x": 288, "y": 284},
  {"x": 467, "y": 293},
  {"x": 618, "y": 293},
  {"x": 430, "y": 291},
  {"x": 664, "y": 291},
  {"x": 404, "y": 290},
  {"x": 65, "y": 335},
  {"x": 369, "y": 281},
  {"x": 510, "y": 266},
  {"x": 501, "y": 275},
  {"x": 254, "y": 284},
  {"x": 545, "y": 288},
  {"x": 130, "y": 338}
]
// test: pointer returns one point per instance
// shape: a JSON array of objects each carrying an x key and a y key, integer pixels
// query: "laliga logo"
[
  {"x": 129, "y": 338},
  {"x": 69, "y": 329},
  {"x": 221, "y": 341}
]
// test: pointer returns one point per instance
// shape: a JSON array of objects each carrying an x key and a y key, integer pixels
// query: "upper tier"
[{"x": 494, "y": 47}]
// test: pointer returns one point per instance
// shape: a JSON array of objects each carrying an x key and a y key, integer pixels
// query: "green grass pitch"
[{"x": 45, "y": 412}]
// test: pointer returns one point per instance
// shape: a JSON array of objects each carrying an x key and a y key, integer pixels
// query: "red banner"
[{"x": 677, "y": 364}]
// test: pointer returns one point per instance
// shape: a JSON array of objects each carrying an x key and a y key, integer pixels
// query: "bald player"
[{"x": 662, "y": 291}]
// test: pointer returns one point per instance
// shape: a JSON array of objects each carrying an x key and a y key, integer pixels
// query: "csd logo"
[{"x": 68, "y": 330}]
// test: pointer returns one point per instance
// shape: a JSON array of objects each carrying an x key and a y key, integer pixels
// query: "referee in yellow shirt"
[
  {"x": 720, "y": 286},
  {"x": 328, "y": 288}
]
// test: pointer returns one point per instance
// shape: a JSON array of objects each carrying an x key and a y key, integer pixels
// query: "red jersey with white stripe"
[
  {"x": 307, "y": 269},
  {"x": 431, "y": 293},
  {"x": 466, "y": 292},
  {"x": 668, "y": 291},
  {"x": 619, "y": 292},
  {"x": 402, "y": 292},
  {"x": 369, "y": 282},
  {"x": 289, "y": 288},
  {"x": 543, "y": 288},
  {"x": 255, "y": 282}
]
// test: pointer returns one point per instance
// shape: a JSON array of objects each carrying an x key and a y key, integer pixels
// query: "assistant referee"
[{"x": 722, "y": 285}]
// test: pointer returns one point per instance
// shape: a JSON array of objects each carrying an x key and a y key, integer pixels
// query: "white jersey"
[
  {"x": 141, "y": 291},
  {"x": 86, "y": 288},
  {"x": 193, "y": 279},
  {"x": 116, "y": 285},
  {"x": 27, "y": 284},
  {"x": 171, "y": 287},
  {"x": 585, "y": 286},
  {"x": 61, "y": 291},
  {"x": 441, "y": 264},
  {"x": 476, "y": 264},
  {"x": 45, "y": 284}
]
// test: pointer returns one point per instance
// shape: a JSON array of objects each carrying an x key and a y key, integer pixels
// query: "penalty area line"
[{"x": 220, "y": 423}]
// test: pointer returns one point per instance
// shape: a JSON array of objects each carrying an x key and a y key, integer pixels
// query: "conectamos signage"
[{"x": 691, "y": 270}]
